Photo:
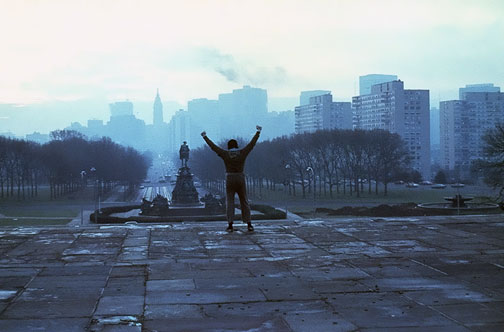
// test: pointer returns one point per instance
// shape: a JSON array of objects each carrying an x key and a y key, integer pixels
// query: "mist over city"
[{"x": 265, "y": 165}]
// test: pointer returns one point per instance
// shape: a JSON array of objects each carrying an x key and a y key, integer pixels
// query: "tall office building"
[
  {"x": 304, "y": 97},
  {"x": 124, "y": 127},
  {"x": 179, "y": 130},
  {"x": 121, "y": 108},
  {"x": 241, "y": 110},
  {"x": 485, "y": 87},
  {"x": 367, "y": 81},
  {"x": 463, "y": 124},
  {"x": 157, "y": 110},
  {"x": 204, "y": 114},
  {"x": 322, "y": 113},
  {"x": 390, "y": 107}
]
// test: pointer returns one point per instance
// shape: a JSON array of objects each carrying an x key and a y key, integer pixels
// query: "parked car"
[
  {"x": 438, "y": 186},
  {"x": 399, "y": 182},
  {"x": 457, "y": 185},
  {"x": 412, "y": 185},
  {"x": 426, "y": 183}
]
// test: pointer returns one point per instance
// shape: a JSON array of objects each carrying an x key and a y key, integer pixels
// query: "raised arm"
[
  {"x": 212, "y": 145},
  {"x": 253, "y": 141}
]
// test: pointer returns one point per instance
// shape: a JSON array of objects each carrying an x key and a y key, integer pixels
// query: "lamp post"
[
  {"x": 82, "y": 173},
  {"x": 96, "y": 194},
  {"x": 310, "y": 169},
  {"x": 287, "y": 169}
]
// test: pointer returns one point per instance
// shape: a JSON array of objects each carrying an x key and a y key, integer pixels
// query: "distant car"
[
  {"x": 399, "y": 182},
  {"x": 426, "y": 183},
  {"x": 142, "y": 187},
  {"x": 412, "y": 185},
  {"x": 457, "y": 185},
  {"x": 438, "y": 186},
  {"x": 162, "y": 181}
]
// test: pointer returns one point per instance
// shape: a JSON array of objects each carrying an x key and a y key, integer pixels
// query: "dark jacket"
[{"x": 234, "y": 159}]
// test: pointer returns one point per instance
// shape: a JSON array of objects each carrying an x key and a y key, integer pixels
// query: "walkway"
[{"x": 346, "y": 274}]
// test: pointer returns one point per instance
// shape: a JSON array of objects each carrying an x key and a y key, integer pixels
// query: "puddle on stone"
[
  {"x": 269, "y": 259},
  {"x": 118, "y": 320},
  {"x": 97, "y": 234},
  {"x": 6, "y": 294}
]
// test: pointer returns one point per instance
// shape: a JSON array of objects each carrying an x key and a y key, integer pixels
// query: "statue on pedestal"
[
  {"x": 184, "y": 191},
  {"x": 184, "y": 154}
]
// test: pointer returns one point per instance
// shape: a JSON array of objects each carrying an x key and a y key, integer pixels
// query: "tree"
[
  {"x": 391, "y": 156},
  {"x": 440, "y": 177},
  {"x": 493, "y": 165}
]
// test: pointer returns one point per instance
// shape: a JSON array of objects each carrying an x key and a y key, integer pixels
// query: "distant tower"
[{"x": 158, "y": 110}]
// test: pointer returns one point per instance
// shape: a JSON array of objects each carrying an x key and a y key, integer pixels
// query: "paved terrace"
[{"x": 347, "y": 274}]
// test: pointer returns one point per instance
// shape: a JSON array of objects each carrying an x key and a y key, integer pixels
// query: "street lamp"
[
  {"x": 287, "y": 169},
  {"x": 96, "y": 194},
  {"x": 310, "y": 169}
]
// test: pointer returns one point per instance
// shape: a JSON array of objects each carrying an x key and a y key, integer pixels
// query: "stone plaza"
[{"x": 341, "y": 274}]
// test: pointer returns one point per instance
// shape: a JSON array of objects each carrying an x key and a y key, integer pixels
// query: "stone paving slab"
[{"x": 342, "y": 274}]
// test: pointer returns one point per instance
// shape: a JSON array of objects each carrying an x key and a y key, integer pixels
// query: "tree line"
[
  {"x": 66, "y": 164},
  {"x": 324, "y": 162}
]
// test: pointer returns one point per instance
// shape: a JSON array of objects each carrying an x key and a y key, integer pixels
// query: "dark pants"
[{"x": 235, "y": 184}]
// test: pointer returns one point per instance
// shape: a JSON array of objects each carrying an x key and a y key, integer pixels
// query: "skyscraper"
[
  {"x": 157, "y": 110},
  {"x": 304, "y": 97},
  {"x": 121, "y": 108},
  {"x": 367, "y": 81},
  {"x": 241, "y": 110},
  {"x": 406, "y": 112},
  {"x": 463, "y": 124},
  {"x": 322, "y": 113},
  {"x": 485, "y": 87},
  {"x": 204, "y": 114}
]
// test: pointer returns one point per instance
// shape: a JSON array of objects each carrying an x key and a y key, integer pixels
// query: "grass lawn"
[
  {"x": 33, "y": 221},
  {"x": 396, "y": 194},
  {"x": 47, "y": 211},
  {"x": 42, "y": 206}
]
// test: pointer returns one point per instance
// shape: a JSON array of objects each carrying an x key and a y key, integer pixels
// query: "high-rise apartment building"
[
  {"x": 390, "y": 107},
  {"x": 304, "y": 97},
  {"x": 157, "y": 111},
  {"x": 463, "y": 124},
  {"x": 322, "y": 113},
  {"x": 485, "y": 87},
  {"x": 367, "y": 81}
]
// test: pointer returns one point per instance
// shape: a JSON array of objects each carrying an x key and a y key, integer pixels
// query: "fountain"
[{"x": 458, "y": 203}]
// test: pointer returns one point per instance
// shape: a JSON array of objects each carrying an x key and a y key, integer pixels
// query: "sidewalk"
[{"x": 345, "y": 274}]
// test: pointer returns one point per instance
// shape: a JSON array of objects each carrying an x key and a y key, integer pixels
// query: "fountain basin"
[{"x": 467, "y": 206}]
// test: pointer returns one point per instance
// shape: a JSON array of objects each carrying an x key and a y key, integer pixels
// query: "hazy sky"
[{"x": 84, "y": 54}]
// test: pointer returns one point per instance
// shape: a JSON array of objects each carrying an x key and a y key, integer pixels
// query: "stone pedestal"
[{"x": 184, "y": 193}]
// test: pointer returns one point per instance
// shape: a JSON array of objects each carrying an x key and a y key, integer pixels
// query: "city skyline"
[{"x": 72, "y": 58}]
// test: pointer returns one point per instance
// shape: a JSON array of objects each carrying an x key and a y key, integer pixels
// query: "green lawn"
[
  {"x": 68, "y": 205},
  {"x": 396, "y": 194},
  {"x": 39, "y": 211}
]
